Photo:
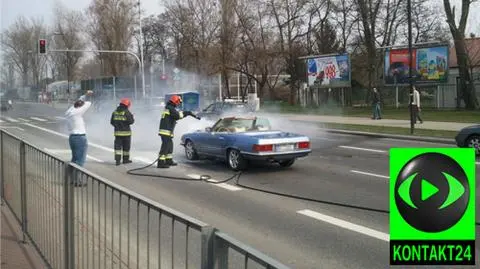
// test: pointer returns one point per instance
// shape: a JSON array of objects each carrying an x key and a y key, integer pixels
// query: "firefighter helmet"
[
  {"x": 126, "y": 102},
  {"x": 176, "y": 100}
]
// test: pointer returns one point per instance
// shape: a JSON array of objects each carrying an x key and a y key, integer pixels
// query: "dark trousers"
[
  {"x": 166, "y": 149},
  {"x": 78, "y": 145},
  {"x": 122, "y": 147},
  {"x": 416, "y": 114}
]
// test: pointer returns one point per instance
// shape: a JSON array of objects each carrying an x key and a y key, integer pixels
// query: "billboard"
[
  {"x": 329, "y": 71},
  {"x": 430, "y": 65}
]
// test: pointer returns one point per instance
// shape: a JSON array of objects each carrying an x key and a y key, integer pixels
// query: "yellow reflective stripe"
[
  {"x": 126, "y": 153},
  {"x": 120, "y": 118},
  {"x": 122, "y": 133},
  {"x": 169, "y": 156},
  {"x": 165, "y": 113},
  {"x": 162, "y": 158},
  {"x": 119, "y": 113},
  {"x": 164, "y": 132},
  {"x": 118, "y": 152},
  {"x": 180, "y": 114}
]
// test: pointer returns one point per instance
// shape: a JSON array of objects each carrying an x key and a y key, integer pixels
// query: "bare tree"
[
  {"x": 111, "y": 27},
  {"x": 195, "y": 27},
  {"x": 427, "y": 24},
  {"x": 467, "y": 89},
  {"x": 7, "y": 74},
  {"x": 67, "y": 34},
  {"x": 473, "y": 54},
  {"x": 289, "y": 17},
  {"x": 20, "y": 45},
  {"x": 255, "y": 54},
  {"x": 156, "y": 35},
  {"x": 346, "y": 18}
]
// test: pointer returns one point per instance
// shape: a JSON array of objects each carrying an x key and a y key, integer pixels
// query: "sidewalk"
[
  {"x": 432, "y": 125},
  {"x": 14, "y": 253}
]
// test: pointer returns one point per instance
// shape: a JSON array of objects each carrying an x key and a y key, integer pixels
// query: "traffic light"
[{"x": 42, "y": 46}]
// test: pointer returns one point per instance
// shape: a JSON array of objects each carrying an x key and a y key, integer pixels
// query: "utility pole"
[{"x": 410, "y": 53}]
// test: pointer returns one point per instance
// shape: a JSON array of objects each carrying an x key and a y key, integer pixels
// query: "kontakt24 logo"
[{"x": 432, "y": 206}]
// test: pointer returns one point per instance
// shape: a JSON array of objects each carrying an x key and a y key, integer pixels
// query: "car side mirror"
[{"x": 208, "y": 129}]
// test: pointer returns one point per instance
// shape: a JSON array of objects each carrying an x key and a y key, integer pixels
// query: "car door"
[{"x": 219, "y": 141}]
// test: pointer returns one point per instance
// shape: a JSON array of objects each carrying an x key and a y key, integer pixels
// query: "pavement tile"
[{"x": 14, "y": 253}]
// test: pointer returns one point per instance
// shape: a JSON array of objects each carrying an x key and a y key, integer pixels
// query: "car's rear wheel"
[
  {"x": 235, "y": 160},
  {"x": 190, "y": 151},
  {"x": 286, "y": 163},
  {"x": 473, "y": 141}
]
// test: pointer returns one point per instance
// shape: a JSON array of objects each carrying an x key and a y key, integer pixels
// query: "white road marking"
[
  {"x": 66, "y": 136},
  {"x": 60, "y": 151},
  {"x": 13, "y": 127},
  {"x": 94, "y": 159},
  {"x": 57, "y": 150},
  {"x": 143, "y": 160},
  {"x": 364, "y": 149},
  {"x": 477, "y": 162},
  {"x": 39, "y": 119},
  {"x": 369, "y": 174},
  {"x": 221, "y": 185},
  {"x": 346, "y": 225},
  {"x": 25, "y": 120},
  {"x": 10, "y": 119}
]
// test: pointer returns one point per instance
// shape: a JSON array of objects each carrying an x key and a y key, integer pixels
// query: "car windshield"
[{"x": 237, "y": 125}]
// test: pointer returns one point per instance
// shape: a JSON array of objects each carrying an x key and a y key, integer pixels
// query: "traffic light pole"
[{"x": 112, "y": 51}]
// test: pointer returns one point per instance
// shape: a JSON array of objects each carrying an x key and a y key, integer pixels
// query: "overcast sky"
[{"x": 11, "y": 9}]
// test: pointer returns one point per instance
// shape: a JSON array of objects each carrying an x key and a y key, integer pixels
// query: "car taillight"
[
  {"x": 304, "y": 145},
  {"x": 259, "y": 148}
]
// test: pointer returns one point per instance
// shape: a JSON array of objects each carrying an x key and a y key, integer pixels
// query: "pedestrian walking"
[
  {"x": 121, "y": 120},
  {"x": 170, "y": 116},
  {"x": 377, "y": 115},
  {"x": 416, "y": 106},
  {"x": 76, "y": 128}
]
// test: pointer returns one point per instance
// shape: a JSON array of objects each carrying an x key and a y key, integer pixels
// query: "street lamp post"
[
  {"x": 410, "y": 53},
  {"x": 142, "y": 65}
]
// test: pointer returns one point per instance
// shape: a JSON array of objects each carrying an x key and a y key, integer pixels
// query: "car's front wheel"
[
  {"x": 286, "y": 163},
  {"x": 190, "y": 151},
  {"x": 235, "y": 160},
  {"x": 474, "y": 142}
]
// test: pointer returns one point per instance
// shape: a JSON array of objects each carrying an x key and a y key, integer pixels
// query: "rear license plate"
[{"x": 283, "y": 148}]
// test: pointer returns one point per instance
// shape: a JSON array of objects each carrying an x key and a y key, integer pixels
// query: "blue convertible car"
[{"x": 239, "y": 140}]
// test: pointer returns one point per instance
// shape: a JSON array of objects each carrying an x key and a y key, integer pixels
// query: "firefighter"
[
  {"x": 121, "y": 120},
  {"x": 169, "y": 119}
]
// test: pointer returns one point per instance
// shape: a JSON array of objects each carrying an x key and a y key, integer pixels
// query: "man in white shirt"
[
  {"x": 76, "y": 128},
  {"x": 416, "y": 106}
]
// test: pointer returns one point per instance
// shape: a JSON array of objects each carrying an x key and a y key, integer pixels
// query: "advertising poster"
[
  {"x": 329, "y": 72},
  {"x": 430, "y": 65}
]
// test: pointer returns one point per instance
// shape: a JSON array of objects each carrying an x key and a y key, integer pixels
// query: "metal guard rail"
[{"x": 97, "y": 227}]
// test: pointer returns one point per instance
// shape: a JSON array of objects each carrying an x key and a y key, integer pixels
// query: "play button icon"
[
  {"x": 431, "y": 192},
  {"x": 428, "y": 190}
]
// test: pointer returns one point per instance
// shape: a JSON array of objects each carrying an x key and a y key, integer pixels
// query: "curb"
[{"x": 400, "y": 137}]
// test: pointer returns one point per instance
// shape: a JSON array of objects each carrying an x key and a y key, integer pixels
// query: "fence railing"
[{"x": 104, "y": 225}]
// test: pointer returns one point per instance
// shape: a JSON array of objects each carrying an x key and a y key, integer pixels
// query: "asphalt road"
[{"x": 343, "y": 169}]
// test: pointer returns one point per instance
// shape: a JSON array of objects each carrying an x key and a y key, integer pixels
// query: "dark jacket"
[
  {"x": 169, "y": 119},
  {"x": 376, "y": 98},
  {"x": 121, "y": 120}
]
